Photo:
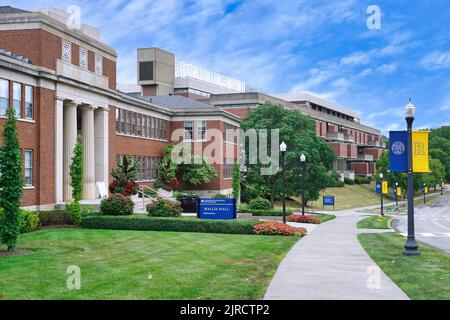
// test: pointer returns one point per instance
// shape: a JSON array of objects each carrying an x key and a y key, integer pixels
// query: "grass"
[
  {"x": 422, "y": 277},
  {"x": 349, "y": 196},
  {"x": 374, "y": 223},
  {"x": 142, "y": 265},
  {"x": 325, "y": 217}
]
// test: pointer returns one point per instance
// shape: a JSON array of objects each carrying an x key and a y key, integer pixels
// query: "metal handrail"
[{"x": 144, "y": 195}]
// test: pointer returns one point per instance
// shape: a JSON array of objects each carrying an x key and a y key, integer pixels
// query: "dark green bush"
[
  {"x": 349, "y": 181},
  {"x": 362, "y": 180},
  {"x": 164, "y": 208},
  {"x": 117, "y": 205},
  {"x": 220, "y": 196},
  {"x": 259, "y": 204},
  {"x": 267, "y": 212},
  {"x": 145, "y": 223},
  {"x": 52, "y": 218},
  {"x": 28, "y": 220}
]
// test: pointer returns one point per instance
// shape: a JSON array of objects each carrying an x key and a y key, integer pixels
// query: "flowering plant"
[
  {"x": 303, "y": 219},
  {"x": 277, "y": 228}
]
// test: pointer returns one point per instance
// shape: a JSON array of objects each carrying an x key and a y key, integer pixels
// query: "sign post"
[
  {"x": 329, "y": 201},
  {"x": 216, "y": 209}
]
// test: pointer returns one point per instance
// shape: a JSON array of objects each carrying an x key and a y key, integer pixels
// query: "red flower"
[
  {"x": 303, "y": 219},
  {"x": 277, "y": 228}
]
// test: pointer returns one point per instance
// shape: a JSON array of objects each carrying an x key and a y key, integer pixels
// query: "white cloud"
[{"x": 436, "y": 60}]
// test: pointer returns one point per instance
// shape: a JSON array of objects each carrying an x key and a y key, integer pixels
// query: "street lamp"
[
  {"x": 302, "y": 162},
  {"x": 283, "y": 148},
  {"x": 396, "y": 195},
  {"x": 411, "y": 247},
  {"x": 381, "y": 193}
]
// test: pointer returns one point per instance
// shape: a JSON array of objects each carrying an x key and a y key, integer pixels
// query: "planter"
[{"x": 164, "y": 193}]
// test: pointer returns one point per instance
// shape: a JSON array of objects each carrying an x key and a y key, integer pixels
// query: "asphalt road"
[{"x": 432, "y": 224}]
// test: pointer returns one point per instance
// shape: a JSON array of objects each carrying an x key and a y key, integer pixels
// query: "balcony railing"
[
  {"x": 335, "y": 136},
  {"x": 365, "y": 157}
]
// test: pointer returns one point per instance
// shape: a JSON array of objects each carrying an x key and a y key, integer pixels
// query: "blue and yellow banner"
[
  {"x": 420, "y": 151},
  {"x": 398, "y": 161}
]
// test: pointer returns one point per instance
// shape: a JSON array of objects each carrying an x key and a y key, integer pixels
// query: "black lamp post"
[
  {"x": 411, "y": 247},
  {"x": 396, "y": 195},
  {"x": 381, "y": 195},
  {"x": 302, "y": 165},
  {"x": 424, "y": 193},
  {"x": 283, "y": 148}
]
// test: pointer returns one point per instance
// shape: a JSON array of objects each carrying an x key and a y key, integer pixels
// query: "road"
[{"x": 432, "y": 224}]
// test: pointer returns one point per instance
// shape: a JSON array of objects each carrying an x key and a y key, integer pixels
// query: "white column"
[
  {"x": 87, "y": 127},
  {"x": 59, "y": 150},
  {"x": 70, "y": 138},
  {"x": 101, "y": 147}
]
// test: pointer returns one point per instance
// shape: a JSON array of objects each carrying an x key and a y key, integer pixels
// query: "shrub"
[
  {"x": 220, "y": 196},
  {"x": 303, "y": 219},
  {"x": 117, "y": 205},
  {"x": 339, "y": 184},
  {"x": 349, "y": 181},
  {"x": 28, "y": 220},
  {"x": 145, "y": 223},
  {"x": 278, "y": 229},
  {"x": 267, "y": 213},
  {"x": 74, "y": 208},
  {"x": 164, "y": 208},
  {"x": 362, "y": 180},
  {"x": 52, "y": 218},
  {"x": 259, "y": 204}
]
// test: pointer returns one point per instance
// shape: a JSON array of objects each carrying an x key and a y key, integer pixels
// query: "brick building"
[{"x": 62, "y": 83}]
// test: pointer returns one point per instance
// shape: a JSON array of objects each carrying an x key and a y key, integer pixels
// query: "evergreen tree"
[
  {"x": 76, "y": 175},
  {"x": 11, "y": 181},
  {"x": 236, "y": 181}
]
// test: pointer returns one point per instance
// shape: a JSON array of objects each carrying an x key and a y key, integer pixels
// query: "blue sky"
[{"x": 324, "y": 47}]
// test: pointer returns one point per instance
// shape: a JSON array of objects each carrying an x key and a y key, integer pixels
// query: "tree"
[
  {"x": 437, "y": 171},
  {"x": 236, "y": 181},
  {"x": 11, "y": 181},
  {"x": 440, "y": 148},
  {"x": 76, "y": 182},
  {"x": 168, "y": 169},
  {"x": 298, "y": 131}
]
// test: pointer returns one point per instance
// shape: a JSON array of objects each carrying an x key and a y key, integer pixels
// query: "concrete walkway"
[{"x": 331, "y": 264}]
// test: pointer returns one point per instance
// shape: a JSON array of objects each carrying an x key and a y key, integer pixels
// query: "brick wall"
[{"x": 360, "y": 168}]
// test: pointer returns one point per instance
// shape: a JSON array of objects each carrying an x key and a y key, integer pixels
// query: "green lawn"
[
  {"x": 325, "y": 217},
  {"x": 142, "y": 265},
  {"x": 374, "y": 223},
  {"x": 422, "y": 277}
]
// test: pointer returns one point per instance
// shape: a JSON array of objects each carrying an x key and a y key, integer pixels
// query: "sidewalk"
[{"x": 330, "y": 264}]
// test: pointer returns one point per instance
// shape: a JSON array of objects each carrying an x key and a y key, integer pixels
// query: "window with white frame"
[
  {"x": 98, "y": 64},
  {"x": 17, "y": 99},
  {"x": 201, "y": 130},
  {"x": 83, "y": 58},
  {"x": 67, "y": 51},
  {"x": 28, "y": 168},
  {"x": 4, "y": 96},
  {"x": 188, "y": 130},
  {"x": 28, "y": 102}
]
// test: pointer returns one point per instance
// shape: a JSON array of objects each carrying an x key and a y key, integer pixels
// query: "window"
[
  {"x": 28, "y": 168},
  {"x": 148, "y": 128},
  {"x": 164, "y": 129},
  {"x": 144, "y": 125},
  {"x": 156, "y": 168},
  {"x": 230, "y": 133},
  {"x": 138, "y": 168},
  {"x": 98, "y": 64},
  {"x": 188, "y": 130},
  {"x": 122, "y": 121},
  {"x": 153, "y": 168},
  {"x": 17, "y": 98},
  {"x": 66, "y": 51},
  {"x": 149, "y": 169},
  {"x": 158, "y": 128},
  {"x": 129, "y": 122},
  {"x": 83, "y": 58},
  {"x": 4, "y": 96},
  {"x": 201, "y": 130},
  {"x": 138, "y": 116},
  {"x": 153, "y": 127},
  {"x": 117, "y": 120},
  {"x": 228, "y": 168},
  {"x": 133, "y": 123},
  {"x": 29, "y": 102}
]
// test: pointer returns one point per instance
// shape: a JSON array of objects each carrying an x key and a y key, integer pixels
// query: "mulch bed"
[{"x": 6, "y": 253}]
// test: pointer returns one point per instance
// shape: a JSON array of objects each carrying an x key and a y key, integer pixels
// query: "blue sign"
[
  {"x": 378, "y": 187},
  {"x": 216, "y": 209},
  {"x": 398, "y": 161},
  {"x": 395, "y": 191},
  {"x": 328, "y": 200}
]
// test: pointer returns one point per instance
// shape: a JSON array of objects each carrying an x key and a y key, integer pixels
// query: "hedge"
[
  {"x": 145, "y": 223},
  {"x": 58, "y": 217},
  {"x": 265, "y": 213}
]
